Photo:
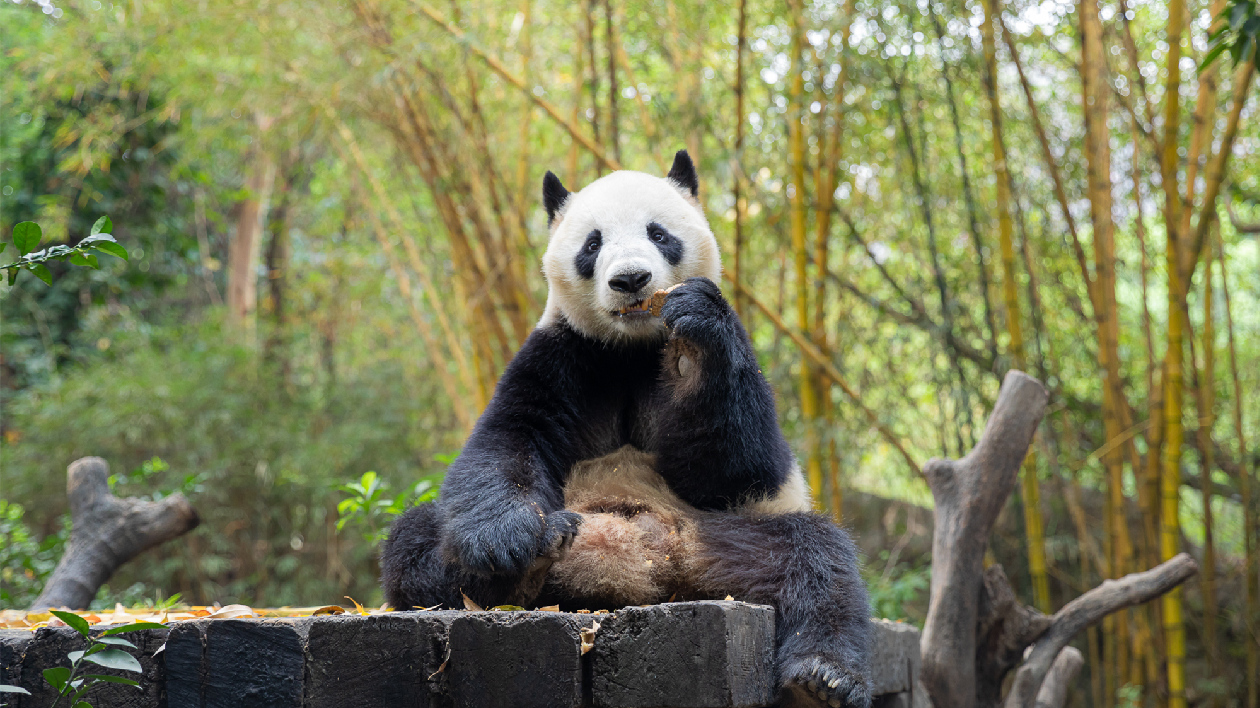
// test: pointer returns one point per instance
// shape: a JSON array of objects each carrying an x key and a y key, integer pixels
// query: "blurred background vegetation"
[{"x": 335, "y": 236}]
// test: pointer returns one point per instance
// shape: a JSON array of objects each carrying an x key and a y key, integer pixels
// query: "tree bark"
[
  {"x": 968, "y": 494},
  {"x": 246, "y": 246},
  {"x": 1087, "y": 609},
  {"x": 107, "y": 532},
  {"x": 1060, "y": 679}
]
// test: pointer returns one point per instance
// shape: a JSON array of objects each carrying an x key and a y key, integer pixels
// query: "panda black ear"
[
  {"x": 683, "y": 173},
  {"x": 554, "y": 195}
]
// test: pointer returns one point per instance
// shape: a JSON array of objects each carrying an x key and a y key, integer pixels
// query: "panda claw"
[{"x": 820, "y": 684}]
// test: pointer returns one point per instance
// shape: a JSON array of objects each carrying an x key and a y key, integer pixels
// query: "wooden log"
[
  {"x": 1112, "y": 595},
  {"x": 107, "y": 532},
  {"x": 969, "y": 493}
]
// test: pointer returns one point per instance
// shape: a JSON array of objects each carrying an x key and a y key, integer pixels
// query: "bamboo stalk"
[
  {"x": 614, "y": 119},
  {"x": 1052, "y": 165},
  {"x": 1206, "y": 401},
  {"x": 812, "y": 352},
  {"x": 1030, "y": 494},
  {"x": 796, "y": 200},
  {"x": 1215, "y": 174},
  {"x": 833, "y": 150},
  {"x": 973, "y": 218},
  {"x": 452, "y": 342},
  {"x": 1174, "y": 628},
  {"x": 497, "y": 67},
  {"x": 737, "y": 162}
]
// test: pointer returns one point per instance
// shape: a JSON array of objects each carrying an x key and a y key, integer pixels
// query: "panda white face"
[{"x": 616, "y": 242}]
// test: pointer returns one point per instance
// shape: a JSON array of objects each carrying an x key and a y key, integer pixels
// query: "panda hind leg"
[{"x": 807, "y": 568}]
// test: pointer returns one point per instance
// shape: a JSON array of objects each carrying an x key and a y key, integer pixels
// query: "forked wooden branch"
[
  {"x": 1112, "y": 595},
  {"x": 1062, "y": 677},
  {"x": 107, "y": 532},
  {"x": 968, "y": 494}
]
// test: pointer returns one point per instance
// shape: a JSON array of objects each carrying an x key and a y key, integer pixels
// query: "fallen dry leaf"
[
  {"x": 329, "y": 610},
  {"x": 470, "y": 605},
  {"x": 357, "y": 606},
  {"x": 588, "y": 636},
  {"x": 549, "y": 608},
  {"x": 233, "y": 611}
]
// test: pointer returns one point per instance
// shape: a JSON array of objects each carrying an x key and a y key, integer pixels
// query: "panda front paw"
[
  {"x": 508, "y": 542},
  {"x": 697, "y": 312}
]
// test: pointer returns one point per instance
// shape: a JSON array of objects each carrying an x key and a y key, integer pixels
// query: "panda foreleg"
[
  {"x": 414, "y": 572},
  {"x": 717, "y": 438},
  {"x": 807, "y": 568}
]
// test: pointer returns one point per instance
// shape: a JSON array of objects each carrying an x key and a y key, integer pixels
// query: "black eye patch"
[
  {"x": 588, "y": 253},
  {"x": 668, "y": 244}
]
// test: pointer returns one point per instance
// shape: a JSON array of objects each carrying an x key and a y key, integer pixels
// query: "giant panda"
[{"x": 628, "y": 458}]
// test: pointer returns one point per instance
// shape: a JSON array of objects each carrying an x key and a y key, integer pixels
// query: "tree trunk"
[
  {"x": 246, "y": 246},
  {"x": 107, "y": 532},
  {"x": 969, "y": 493}
]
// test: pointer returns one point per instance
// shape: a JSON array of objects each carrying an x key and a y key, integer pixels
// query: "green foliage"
[
  {"x": 72, "y": 683},
  {"x": 1240, "y": 35},
  {"x": 26, "y": 238},
  {"x": 370, "y": 508},
  {"x": 897, "y": 592},
  {"x": 194, "y": 402},
  {"x": 26, "y": 563}
]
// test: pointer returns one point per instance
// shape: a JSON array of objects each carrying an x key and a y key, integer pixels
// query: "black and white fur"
[{"x": 658, "y": 436}]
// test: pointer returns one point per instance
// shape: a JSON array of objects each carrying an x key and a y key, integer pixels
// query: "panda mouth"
[{"x": 637, "y": 310}]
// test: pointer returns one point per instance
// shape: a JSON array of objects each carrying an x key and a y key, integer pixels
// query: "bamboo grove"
[{"x": 912, "y": 198}]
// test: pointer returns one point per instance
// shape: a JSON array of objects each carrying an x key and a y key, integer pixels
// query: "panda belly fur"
[
  {"x": 638, "y": 542},
  {"x": 628, "y": 458}
]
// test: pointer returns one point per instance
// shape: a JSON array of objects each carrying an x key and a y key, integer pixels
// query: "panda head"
[{"x": 614, "y": 243}]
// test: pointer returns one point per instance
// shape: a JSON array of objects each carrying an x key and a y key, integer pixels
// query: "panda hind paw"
[{"x": 821, "y": 684}]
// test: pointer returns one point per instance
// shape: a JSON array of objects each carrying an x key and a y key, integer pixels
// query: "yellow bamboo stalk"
[
  {"x": 833, "y": 150},
  {"x": 1031, "y": 496},
  {"x": 1201, "y": 133},
  {"x": 737, "y": 161},
  {"x": 1207, "y": 416},
  {"x": 434, "y": 348},
  {"x": 1170, "y": 481},
  {"x": 413, "y": 254},
  {"x": 497, "y": 67},
  {"x": 823, "y": 363},
  {"x": 1214, "y": 177},
  {"x": 800, "y": 252}
]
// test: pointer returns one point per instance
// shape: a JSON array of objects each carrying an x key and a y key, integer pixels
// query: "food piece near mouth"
[{"x": 652, "y": 304}]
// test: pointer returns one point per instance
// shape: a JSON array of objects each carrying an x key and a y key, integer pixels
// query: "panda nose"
[{"x": 629, "y": 282}]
